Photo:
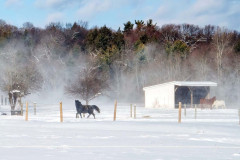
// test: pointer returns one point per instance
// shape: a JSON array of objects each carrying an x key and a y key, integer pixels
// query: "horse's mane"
[{"x": 78, "y": 104}]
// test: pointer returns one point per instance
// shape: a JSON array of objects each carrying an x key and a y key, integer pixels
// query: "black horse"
[{"x": 85, "y": 109}]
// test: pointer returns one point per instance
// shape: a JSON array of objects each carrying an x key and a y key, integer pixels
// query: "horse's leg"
[
  {"x": 80, "y": 115},
  {"x": 93, "y": 115},
  {"x": 88, "y": 115},
  {"x": 76, "y": 115}
]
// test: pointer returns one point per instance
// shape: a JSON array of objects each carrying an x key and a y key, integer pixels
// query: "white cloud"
[
  {"x": 92, "y": 8},
  {"x": 10, "y": 3},
  {"x": 201, "y": 12},
  {"x": 55, "y": 4},
  {"x": 219, "y": 12},
  {"x": 206, "y": 7},
  {"x": 55, "y": 17},
  {"x": 162, "y": 10}
]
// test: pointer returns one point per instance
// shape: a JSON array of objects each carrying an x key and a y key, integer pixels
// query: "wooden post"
[
  {"x": 208, "y": 96},
  {"x": 1, "y": 100},
  {"x": 21, "y": 109},
  {"x": 185, "y": 110},
  {"x": 115, "y": 111},
  {"x": 195, "y": 111},
  {"x": 26, "y": 113},
  {"x": 61, "y": 113},
  {"x": 130, "y": 110},
  {"x": 179, "y": 112},
  {"x": 35, "y": 110},
  {"x": 191, "y": 99},
  {"x": 5, "y": 100},
  {"x": 135, "y": 111},
  {"x": 239, "y": 115}
]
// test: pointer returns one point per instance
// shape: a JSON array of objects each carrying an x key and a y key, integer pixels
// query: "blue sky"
[{"x": 114, "y": 13}]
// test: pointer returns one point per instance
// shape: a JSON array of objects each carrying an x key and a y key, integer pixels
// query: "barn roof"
[
  {"x": 185, "y": 83},
  {"x": 194, "y": 83}
]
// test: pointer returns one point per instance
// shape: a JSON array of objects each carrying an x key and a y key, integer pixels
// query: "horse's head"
[
  {"x": 214, "y": 98},
  {"x": 78, "y": 102}
]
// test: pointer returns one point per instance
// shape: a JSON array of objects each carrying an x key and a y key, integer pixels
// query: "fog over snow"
[{"x": 175, "y": 40}]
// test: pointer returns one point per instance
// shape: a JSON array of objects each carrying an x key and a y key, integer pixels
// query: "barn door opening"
[{"x": 183, "y": 94}]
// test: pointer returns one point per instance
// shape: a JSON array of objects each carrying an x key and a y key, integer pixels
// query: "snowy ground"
[{"x": 154, "y": 134}]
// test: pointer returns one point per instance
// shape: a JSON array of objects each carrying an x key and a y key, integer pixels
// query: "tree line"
[{"x": 117, "y": 63}]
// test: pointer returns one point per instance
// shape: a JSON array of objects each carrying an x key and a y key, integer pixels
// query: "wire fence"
[
  {"x": 124, "y": 112},
  {"x": 4, "y": 100}
]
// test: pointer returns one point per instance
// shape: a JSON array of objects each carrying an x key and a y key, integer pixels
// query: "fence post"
[
  {"x": 185, "y": 110},
  {"x": 239, "y": 115},
  {"x": 179, "y": 112},
  {"x": 191, "y": 99},
  {"x": 2, "y": 100},
  {"x": 115, "y": 111},
  {"x": 61, "y": 113},
  {"x": 21, "y": 109},
  {"x": 35, "y": 110},
  {"x": 26, "y": 114},
  {"x": 5, "y": 100},
  {"x": 130, "y": 110},
  {"x": 135, "y": 111},
  {"x": 195, "y": 111}
]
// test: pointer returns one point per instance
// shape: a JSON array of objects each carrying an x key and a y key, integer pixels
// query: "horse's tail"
[{"x": 96, "y": 108}]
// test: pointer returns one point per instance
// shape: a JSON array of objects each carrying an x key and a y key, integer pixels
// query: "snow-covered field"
[{"x": 154, "y": 134}]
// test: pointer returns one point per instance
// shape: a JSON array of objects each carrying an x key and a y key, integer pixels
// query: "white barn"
[{"x": 168, "y": 95}]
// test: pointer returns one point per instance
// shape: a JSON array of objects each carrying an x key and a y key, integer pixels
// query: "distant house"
[{"x": 168, "y": 95}]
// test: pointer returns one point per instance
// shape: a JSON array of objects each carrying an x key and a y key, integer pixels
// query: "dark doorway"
[{"x": 183, "y": 94}]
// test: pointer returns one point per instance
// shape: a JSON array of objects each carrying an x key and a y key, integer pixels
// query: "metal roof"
[
  {"x": 185, "y": 83},
  {"x": 194, "y": 83}
]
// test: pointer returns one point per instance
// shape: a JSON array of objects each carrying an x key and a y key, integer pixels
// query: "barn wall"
[
  {"x": 164, "y": 96},
  {"x": 160, "y": 97}
]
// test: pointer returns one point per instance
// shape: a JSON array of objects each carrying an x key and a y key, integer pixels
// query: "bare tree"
[
  {"x": 19, "y": 75},
  {"x": 88, "y": 85},
  {"x": 192, "y": 35},
  {"x": 19, "y": 82},
  {"x": 28, "y": 25},
  {"x": 201, "y": 61},
  {"x": 221, "y": 40},
  {"x": 119, "y": 67},
  {"x": 170, "y": 32},
  {"x": 2, "y": 22}
]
